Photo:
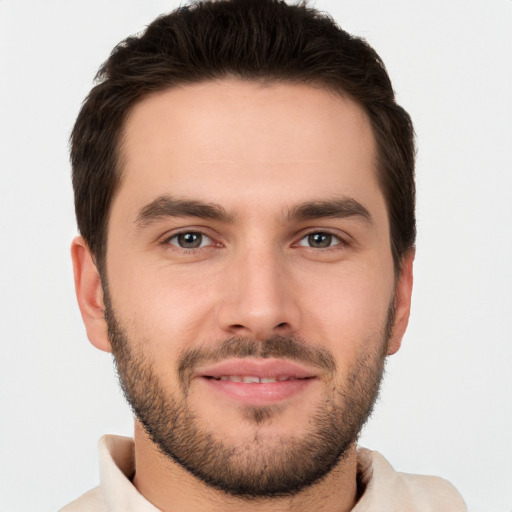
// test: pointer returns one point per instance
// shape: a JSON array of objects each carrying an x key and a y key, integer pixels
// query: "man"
[{"x": 244, "y": 191}]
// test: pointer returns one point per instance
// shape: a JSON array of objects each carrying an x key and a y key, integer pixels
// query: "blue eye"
[
  {"x": 190, "y": 240},
  {"x": 320, "y": 240}
]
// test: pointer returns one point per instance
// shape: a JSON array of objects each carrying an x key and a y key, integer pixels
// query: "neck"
[{"x": 170, "y": 487}]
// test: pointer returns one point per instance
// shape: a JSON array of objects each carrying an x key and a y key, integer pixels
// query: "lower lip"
[{"x": 259, "y": 394}]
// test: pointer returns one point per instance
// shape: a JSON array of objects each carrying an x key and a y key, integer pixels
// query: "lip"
[
  {"x": 262, "y": 368},
  {"x": 291, "y": 379}
]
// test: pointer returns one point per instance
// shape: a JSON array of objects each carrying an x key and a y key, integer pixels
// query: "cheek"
[
  {"x": 348, "y": 309},
  {"x": 160, "y": 306}
]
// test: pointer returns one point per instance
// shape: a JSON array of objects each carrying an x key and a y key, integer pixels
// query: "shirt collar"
[{"x": 117, "y": 467}]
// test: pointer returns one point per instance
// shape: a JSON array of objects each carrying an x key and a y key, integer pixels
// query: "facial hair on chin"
[{"x": 251, "y": 470}]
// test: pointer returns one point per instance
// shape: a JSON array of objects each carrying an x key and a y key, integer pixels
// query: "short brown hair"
[{"x": 261, "y": 40}]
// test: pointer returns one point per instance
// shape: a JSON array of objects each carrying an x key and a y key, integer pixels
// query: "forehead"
[{"x": 238, "y": 142}]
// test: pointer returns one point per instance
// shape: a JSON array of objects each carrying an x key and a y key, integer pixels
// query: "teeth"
[{"x": 250, "y": 379}]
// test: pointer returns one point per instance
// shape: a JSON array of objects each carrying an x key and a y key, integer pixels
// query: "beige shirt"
[{"x": 385, "y": 489}]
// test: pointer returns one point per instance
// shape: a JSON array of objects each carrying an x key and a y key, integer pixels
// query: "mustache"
[{"x": 279, "y": 347}]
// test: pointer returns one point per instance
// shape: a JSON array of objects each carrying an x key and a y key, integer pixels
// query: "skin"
[{"x": 258, "y": 152}]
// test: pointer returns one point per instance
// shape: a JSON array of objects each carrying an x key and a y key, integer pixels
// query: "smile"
[
  {"x": 249, "y": 379},
  {"x": 256, "y": 382}
]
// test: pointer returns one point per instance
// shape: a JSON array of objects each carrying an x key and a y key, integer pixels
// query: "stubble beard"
[{"x": 260, "y": 467}]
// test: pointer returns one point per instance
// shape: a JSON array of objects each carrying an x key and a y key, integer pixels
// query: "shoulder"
[
  {"x": 433, "y": 493},
  {"x": 403, "y": 491},
  {"x": 91, "y": 501}
]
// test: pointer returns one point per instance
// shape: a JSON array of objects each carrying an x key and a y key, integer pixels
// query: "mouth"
[
  {"x": 256, "y": 382},
  {"x": 252, "y": 379}
]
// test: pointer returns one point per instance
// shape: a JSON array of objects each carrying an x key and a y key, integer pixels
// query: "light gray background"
[{"x": 446, "y": 406}]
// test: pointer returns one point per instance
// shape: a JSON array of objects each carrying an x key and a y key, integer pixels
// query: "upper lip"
[{"x": 262, "y": 368}]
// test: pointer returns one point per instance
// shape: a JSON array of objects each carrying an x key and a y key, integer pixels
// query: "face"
[{"x": 251, "y": 289}]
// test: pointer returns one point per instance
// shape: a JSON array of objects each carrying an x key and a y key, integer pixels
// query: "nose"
[{"x": 258, "y": 297}]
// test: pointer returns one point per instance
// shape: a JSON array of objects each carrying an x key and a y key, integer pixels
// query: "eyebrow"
[
  {"x": 334, "y": 208},
  {"x": 167, "y": 206}
]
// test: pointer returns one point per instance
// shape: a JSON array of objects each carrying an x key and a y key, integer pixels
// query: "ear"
[
  {"x": 89, "y": 293},
  {"x": 403, "y": 294}
]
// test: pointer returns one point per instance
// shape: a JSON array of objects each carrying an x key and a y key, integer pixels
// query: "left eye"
[
  {"x": 190, "y": 240},
  {"x": 319, "y": 240}
]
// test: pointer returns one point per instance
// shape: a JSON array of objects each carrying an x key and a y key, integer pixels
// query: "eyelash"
[{"x": 341, "y": 243}]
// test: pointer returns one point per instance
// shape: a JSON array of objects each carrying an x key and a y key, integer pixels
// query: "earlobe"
[
  {"x": 403, "y": 294},
  {"x": 89, "y": 293}
]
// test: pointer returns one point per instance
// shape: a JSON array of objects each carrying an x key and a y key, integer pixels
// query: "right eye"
[{"x": 190, "y": 240}]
